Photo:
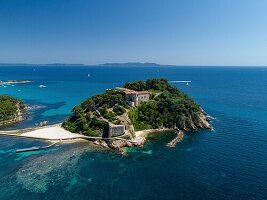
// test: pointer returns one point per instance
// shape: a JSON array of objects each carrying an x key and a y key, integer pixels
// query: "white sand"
[{"x": 52, "y": 133}]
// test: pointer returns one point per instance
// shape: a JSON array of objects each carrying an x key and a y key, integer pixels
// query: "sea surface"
[{"x": 227, "y": 163}]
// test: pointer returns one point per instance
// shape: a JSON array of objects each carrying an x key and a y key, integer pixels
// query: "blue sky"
[{"x": 181, "y": 32}]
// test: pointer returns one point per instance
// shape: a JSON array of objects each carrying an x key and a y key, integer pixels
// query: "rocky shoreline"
[
  {"x": 119, "y": 143},
  {"x": 196, "y": 121},
  {"x": 179, "y": 137},
  {"x": 19, "y": 116},
  {"x": 200, "y": 121}
]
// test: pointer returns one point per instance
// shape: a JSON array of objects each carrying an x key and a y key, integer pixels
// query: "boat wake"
[{"x": 180, "y": 81}]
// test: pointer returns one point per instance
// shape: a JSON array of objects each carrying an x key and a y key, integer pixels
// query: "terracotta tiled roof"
[
  {"x": 128, "y": 91},
  {"x": 143, "y": 92}
]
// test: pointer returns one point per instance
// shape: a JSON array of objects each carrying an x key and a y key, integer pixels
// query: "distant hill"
[
  {"x": 133, "y": 64},
  {"x": 127, "y": 64}
]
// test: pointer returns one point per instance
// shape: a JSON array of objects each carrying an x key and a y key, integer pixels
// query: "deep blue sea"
[{"x": 227, "y": 163}]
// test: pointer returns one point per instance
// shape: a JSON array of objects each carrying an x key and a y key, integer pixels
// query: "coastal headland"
[
  {"x": 129, "y": 113},
  {"x": 122, "y": 117},
  {"x": 11, "y": 110}
]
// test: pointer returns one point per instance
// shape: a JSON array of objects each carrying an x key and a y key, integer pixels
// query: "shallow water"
[{"x": 227, "y": 163}]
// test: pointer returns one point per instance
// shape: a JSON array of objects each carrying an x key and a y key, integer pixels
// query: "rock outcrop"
[
  {"x": 15, "y": 118},
  {"x": 194, "y": 122},
  {"x": 179, "y": 137}
]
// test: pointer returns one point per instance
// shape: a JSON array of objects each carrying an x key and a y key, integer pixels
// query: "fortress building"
[{"x": 134, "y": 98}]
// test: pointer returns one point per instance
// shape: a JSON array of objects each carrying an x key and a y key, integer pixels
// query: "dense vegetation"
[
  {"x": 167, "y": 107},
  {"x": 9, "y": 108},
  {"x": 151, "y": 85},
  {"x": 91, "y": 116},
  {"x": 170, "y": 108}
]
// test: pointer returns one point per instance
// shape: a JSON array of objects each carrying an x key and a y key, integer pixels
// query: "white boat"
[{"x": 42, "y": 86}]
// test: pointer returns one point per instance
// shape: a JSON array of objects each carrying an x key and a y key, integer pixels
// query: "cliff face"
[{"x": 195, "y": 121}]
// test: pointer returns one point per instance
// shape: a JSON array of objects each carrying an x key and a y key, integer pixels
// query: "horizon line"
[{"x": 133, "y": 63}]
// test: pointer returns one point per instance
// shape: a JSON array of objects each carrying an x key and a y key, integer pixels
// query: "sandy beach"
[{"x": 51, "y": 133}]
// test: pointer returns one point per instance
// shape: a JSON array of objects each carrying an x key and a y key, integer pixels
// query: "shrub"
[{"x": 119, "y": 110}]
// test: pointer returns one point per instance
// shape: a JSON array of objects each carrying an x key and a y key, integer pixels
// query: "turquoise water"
[{"x": 227, "y": 163}]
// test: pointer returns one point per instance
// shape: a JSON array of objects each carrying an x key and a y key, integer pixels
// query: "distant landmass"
[
  {"x": 133, "y": 64},
  {"x": 127, "y": 64}
]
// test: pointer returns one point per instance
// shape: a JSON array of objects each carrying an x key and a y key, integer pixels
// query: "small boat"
[
  {"x": 187, "y": 83},
  {"x": 42, "y": 86},
  {"x": 88, "y": 75}
]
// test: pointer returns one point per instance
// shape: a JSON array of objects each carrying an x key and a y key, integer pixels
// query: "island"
[
  {"x": 8, "y": 82},
  {"x": 121, "y": 117},
  {"x": 11, "y": 110}
]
